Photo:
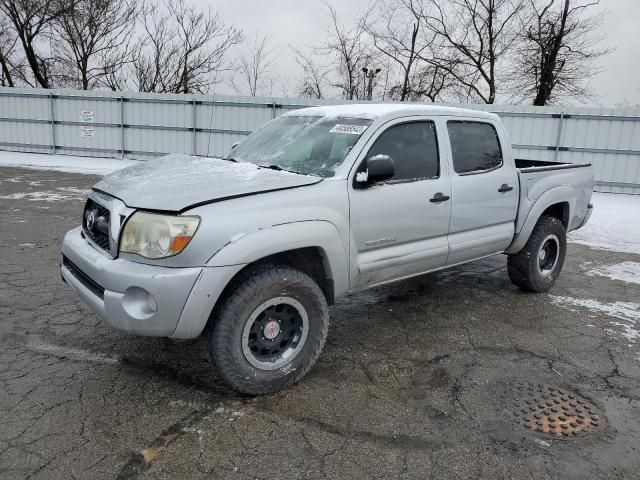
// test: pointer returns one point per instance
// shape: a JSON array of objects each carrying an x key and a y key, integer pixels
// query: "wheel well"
[
  {"x": 309, "y": 260},
  {"x": 559, "y": 211}
]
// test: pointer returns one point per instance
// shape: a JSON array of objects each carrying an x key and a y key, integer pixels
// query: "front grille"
[
  {"x": 83, "y": 277},
  {"x": 98, "y": 229}
]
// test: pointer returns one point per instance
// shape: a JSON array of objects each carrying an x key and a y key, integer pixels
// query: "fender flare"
[
  {"x": 251, "y": 247},
  {"x": 262, "y": 243},
  {"x": 559, "y": 194}
]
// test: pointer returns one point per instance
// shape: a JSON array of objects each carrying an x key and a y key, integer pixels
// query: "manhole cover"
[{"x": 552, "y": 410}]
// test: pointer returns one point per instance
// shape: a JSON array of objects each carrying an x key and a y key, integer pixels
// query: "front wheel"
[
  {"x": 270, "y": 330},
  {"x": 536, "y": 267}
]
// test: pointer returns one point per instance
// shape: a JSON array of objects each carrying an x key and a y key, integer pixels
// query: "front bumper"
[{"x": 132, "y": 297}]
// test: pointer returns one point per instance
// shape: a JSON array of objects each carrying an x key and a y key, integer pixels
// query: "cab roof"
[{"x": 375, "y": 111}]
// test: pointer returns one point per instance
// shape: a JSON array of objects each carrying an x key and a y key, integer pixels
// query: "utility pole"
[{"x": 370, "y": 75}]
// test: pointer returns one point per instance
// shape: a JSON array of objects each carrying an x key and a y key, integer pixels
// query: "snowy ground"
[
  {"x": 614, "y": 225},
  {"x": 63, "y": 163}
]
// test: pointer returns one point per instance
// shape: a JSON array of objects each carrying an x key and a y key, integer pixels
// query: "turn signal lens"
[{"x": 179, "y": 243}]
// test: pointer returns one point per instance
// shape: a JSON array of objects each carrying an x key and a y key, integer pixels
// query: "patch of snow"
[
  {"x": 628, "y": 272},
  {"x": 60, "y": 194},
  {"x": 40, "y": 346},
  {"x": 362, "y": 176},
  {"x": 373, "y": 110},
  {"x": 614, "y": 225},
  {"x": 187, "y": 403},
  {"x": 542, "y": 443},
  {"x": 628, "y": 312},
  {"x": 63, "y": 163},
  {"x": 193, "y": 430}
]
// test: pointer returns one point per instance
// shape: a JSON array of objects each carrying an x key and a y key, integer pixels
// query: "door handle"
[
  {"x": 439, "y": 197},
  {"x": 505, "y": 188}
]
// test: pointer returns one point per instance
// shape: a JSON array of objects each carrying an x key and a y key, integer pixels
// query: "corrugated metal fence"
[{"x": 138, "y": 125}]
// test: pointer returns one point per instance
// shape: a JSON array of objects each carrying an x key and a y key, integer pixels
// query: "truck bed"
[
  {"x": 527, "y": 166},
  {"x": 537, "y": 177}
]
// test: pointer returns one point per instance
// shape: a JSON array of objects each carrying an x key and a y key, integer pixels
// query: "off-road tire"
[
  {"x": 523, "y": 266},
  {"x": 248, "y": 292}
]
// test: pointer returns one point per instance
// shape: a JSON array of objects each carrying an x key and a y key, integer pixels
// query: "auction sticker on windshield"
[{"x": 351, "y": 129}]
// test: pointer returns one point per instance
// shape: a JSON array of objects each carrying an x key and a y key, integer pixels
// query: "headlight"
[{"x": 157, "y": 236}]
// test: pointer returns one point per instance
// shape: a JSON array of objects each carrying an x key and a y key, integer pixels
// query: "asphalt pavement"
[{"x": 449, "y": 375}]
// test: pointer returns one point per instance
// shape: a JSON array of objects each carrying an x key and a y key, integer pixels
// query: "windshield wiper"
[
  {"x": 231, "y": 159},
  {"x": 278, "y": 168}
]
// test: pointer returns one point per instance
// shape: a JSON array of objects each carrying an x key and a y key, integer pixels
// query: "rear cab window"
[{"x": 475, "y": 147}]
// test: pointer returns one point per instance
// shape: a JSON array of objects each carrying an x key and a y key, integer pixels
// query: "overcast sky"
[{"x": 302, "y": 22}]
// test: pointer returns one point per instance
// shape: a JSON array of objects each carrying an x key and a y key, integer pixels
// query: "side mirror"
[{"x": 376, "y": 169}]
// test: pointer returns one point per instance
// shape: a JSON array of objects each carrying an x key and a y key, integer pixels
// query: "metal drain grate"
[{"x": 552, "y": 410}]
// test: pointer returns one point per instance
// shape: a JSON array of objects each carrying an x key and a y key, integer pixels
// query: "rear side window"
[
  {"x": 475, "y": 147},
  {"x": 413, "y": 148}
]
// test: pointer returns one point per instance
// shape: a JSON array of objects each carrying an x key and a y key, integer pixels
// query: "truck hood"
[{"x": 179, "y": 182}]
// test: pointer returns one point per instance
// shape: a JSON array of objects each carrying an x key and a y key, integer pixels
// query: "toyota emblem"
[{"x": 91, "y": 218}]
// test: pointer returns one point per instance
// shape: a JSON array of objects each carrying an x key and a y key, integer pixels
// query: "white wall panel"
[{"x": 141, "y": 125}]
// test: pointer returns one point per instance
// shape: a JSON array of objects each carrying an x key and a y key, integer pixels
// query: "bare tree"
[
  {"x": 183, "y": 50},
  {"x": 32, "y": 20},
  {"x": 399, "y": 32},
  {"x": 154, "y": 58},
  {"x": 10, "y": 66},
  {"x": 558, "y": 47},
  {"x": 349, "y": 51},
  {"x": 254, "y": 68},
  {"x": 314, "y": 80},
  {"x": 476, "y": 37},
  {"x": 428, "y": 81},
  {"x": 93, "y": 40}
]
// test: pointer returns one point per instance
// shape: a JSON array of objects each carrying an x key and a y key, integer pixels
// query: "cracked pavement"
[{"x": 411, "y": 383}]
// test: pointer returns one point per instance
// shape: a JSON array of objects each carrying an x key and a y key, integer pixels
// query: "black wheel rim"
[
  {"x": 275, "y": 333},
  {"x": 548, "y": 255}
]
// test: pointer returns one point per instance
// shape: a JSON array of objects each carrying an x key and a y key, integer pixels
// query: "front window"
[
  {"x": 310, "y": 145},
  {"x": 413, "y": 147}
]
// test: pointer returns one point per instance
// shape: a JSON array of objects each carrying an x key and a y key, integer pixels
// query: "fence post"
[
  {"x": 559, "y": 137},
  {"x": 194, "y": 121},
  {"x": 52, "y": 121},
  {"x": 122, "y": 140}
]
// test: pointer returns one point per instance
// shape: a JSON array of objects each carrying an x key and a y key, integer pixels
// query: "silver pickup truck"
[{"x": 317, "y": 203}]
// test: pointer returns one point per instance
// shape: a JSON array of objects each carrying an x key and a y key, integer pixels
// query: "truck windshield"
[{"x": 310, "y": 145}]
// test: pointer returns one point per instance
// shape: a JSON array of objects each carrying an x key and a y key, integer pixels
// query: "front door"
[
  {"x": 484, "y": 192},
  {"x": 399, "y": 227}
]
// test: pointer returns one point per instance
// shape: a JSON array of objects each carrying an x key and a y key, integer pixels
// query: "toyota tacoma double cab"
[{"x": 317, "y": 203}]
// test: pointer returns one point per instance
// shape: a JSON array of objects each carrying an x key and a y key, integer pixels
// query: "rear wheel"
[
  {"x": 270, "y": 330},
  {"x": 536, "y": 267}
]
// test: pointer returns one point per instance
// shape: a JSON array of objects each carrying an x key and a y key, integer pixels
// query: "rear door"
[
  {"x": 396, "y": 230},
  {"x": 483, "y": 191}
]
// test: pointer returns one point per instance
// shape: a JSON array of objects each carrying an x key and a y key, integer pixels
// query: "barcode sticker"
[{"x": 350, "y": 129}]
